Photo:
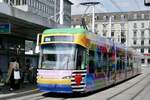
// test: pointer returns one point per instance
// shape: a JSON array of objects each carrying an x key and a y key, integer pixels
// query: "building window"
[
  {"x": 97, "y": 18},
  {"x": 112, "y": 34},
  {"x": 104, "y": 25},
  {"x": 149, "y": 25},
  {"x": 18, "y": 2},
  {"x": 134, "y": 33},
  {"x": 122, "y": 25},
  {"x": 96, "y": 26},
  {"x": 135, "y": 25},
  {"x": 104, "y": 34},
  {"x": 112, "y": 18},
  {"x": 142, "y": 61},
  {"x": 104, "y": 17},
  {"x": 122, "y": 34},
  {"x": 123, "y": 40},
  {"x": 149, "y": 33},
  {"x": 142, "y": 42},
  {"x": 112, "y": 25},
  {"x": 24, "y": 2},
  {"x": 148, "y": 50},
  {"x": 148, "y": 61},
  {"x": 77, "y": 19},
  {"x": 142, "y": 25},
  {"x": 142, "y": 16},
  {"x": 142, "y": 34},
  {"x": 122, "y": 17},
  {"x": 135, "y": 16},
  {"x": 134, "y": 42},
  {"x": 149, "y": 41},
  {"x": 142, "y": 50},
  {"x": 107, "y": 17}
]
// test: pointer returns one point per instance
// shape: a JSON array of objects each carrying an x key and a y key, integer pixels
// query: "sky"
[{"x": 110, "y": 6}]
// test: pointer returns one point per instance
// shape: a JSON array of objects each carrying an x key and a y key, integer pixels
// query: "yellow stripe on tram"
[{"x": 54, "y": 81}]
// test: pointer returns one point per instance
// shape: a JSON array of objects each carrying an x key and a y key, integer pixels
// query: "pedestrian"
[
  {"x": 12, "y": 70},
  {"x": 28, "y": 70}
]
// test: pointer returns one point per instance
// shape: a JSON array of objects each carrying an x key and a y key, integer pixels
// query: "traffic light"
[{"x": 147, "y": 2}]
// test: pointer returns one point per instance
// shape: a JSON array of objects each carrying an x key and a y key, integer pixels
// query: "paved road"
[
  {"x": 135, "y": 89},
  {"x": 145, "y": 94}
]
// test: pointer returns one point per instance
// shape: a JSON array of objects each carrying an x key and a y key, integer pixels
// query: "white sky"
[{"x": 108, "y": 6}]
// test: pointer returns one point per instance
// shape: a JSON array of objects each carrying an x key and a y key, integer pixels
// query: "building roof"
[
  {"x": 64, "y": 30},
  {"x": 117, "y": 16}
]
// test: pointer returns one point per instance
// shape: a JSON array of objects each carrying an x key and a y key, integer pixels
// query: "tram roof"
[{"x": 65, "y": 30}]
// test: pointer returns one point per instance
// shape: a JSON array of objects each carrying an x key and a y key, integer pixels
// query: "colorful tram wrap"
[{"x": 74, "y": 60}]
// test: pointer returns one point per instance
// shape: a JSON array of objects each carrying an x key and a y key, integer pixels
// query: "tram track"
[
  {"x": 139, "y": 92},
  {"x": 133, "y": 97},
  {"x": 142, "y": 81}
]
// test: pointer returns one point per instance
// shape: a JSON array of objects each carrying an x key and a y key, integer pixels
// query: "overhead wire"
[
  {"x": 116, "y": 5},
  {"x": 137, "y": 4}
]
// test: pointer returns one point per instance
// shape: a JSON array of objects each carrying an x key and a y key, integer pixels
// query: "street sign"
[{"x": 5, "y": 28}]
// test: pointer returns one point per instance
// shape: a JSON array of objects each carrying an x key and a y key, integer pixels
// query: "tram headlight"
[{"x": 67, "y": 77}]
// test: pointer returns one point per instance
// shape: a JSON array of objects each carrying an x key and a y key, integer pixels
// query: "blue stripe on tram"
[{"x": 55, "y": 88}]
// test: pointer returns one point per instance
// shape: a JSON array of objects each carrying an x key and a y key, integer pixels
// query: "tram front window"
[{"x": 58, "y": 57}]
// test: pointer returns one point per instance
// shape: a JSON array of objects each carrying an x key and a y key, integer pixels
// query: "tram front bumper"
[
  {"x": 58, "y": 88},
  {"x": 54, "y": 85}
]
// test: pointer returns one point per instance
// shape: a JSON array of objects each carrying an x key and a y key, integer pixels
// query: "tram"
[{"x": 75, "y": 60}]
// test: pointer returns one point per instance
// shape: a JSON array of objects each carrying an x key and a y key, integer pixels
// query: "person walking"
[
  {"x": 28, "y": 70},
  {"x": 13, "y": 81}
]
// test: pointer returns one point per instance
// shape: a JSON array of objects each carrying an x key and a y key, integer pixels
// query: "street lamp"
[{"x": 88, "y": 4}]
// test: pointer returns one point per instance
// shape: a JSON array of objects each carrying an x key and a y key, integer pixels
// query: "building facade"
[
  {"x": 21, "y": 21},
  {"x": 129, "y": 28},
  {"x": 44, "y": 8}
]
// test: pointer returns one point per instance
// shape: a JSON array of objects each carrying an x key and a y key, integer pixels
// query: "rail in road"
[
  {"x": 136, "y": 83},
  {"x": 128, "y": 90}
]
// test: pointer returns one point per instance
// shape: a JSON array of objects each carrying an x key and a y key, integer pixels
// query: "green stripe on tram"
[{"x": 65, "y": 30}]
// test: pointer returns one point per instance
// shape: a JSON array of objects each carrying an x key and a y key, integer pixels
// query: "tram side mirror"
[
  {"x": 147, "y": 2},
  {"x": 38, "y": 41}
]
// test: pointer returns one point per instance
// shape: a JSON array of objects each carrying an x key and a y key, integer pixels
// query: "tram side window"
[
  {"x": 98, "y": 61},
  {"x": 135, "y": 62},
  {"x": 118, "y": 62},
  {"x": 104, "y": 61},
  {"x": 80, "y": 63},
  {"x": 91, "y": 62},
  {"x": 131, "y": 62}
]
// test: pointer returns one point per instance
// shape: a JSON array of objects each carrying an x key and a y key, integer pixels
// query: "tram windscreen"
[{"x": 58, "y": 56}]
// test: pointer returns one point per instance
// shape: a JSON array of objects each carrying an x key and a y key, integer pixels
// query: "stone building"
[
  {"x": 20, "y": 21},
  {"x": 129, "y": 28}
]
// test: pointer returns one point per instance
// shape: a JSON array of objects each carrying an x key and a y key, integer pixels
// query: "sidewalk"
[{"x": 25, "y": 89}]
